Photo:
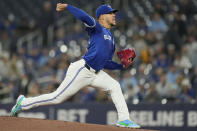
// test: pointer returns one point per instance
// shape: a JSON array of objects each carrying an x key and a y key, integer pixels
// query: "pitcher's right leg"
[
  {"x": 17, "y": 107},
  {"x": 75, "y": 79},
  {"x": 65, "y": 90}
]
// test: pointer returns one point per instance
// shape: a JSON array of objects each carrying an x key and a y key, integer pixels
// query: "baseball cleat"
[
  {"x": 17, "y": 108},
  {"x": 128, "y": 124}
]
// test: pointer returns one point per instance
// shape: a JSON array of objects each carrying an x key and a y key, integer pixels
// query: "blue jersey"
[{"x": 101, "y": 46}]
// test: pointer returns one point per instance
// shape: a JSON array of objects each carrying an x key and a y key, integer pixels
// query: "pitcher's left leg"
[{"x": 107, "y": 83}]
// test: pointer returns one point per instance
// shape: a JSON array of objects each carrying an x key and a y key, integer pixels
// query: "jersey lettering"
[{"x": 107, "y": 37}]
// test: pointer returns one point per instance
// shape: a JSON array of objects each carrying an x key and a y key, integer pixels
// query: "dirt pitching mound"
[{"x": 30, "y": 124}]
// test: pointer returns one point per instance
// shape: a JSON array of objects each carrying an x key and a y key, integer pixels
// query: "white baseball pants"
[{"x": 77, "y": 77}]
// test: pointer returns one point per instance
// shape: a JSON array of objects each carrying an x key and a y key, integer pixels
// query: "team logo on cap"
[{"x": 109, "y": 6}]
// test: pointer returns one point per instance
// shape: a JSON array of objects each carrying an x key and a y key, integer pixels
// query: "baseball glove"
[{"x": 126, "y": 56}]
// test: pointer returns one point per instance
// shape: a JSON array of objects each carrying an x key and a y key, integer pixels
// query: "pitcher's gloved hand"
[{"x": 126, "y": 56}]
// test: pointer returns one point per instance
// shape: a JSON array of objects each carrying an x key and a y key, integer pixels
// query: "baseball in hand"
[{"x": 61, "y": 7}]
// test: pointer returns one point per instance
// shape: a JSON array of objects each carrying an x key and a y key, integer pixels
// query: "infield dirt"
[{"x": 31, "y": 124}]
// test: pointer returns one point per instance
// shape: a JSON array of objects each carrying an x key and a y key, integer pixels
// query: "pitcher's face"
[{"x": 110, "y": 18}]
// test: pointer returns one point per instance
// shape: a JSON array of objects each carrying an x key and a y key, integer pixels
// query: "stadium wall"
[{"x": 176, "y": 117}]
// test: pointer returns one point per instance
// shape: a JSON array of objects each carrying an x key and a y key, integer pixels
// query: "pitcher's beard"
[{"x": 112, "y": 25}]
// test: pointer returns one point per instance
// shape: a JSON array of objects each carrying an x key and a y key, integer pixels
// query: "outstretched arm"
[
  {"x": 112, "y": 65},
  {"x": 78, "y": 13}
]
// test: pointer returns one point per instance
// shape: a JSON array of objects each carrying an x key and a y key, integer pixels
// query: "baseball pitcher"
[{"x": 88, "y": 70}]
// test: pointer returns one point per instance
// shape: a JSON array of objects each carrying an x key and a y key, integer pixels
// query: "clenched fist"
[{"x": 61, "y": 7}]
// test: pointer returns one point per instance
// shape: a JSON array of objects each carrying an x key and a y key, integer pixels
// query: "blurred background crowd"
[{"x": 37, "y": 45}]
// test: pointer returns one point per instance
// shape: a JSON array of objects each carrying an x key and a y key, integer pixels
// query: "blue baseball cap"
[{"x": 104, "y": 9}]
